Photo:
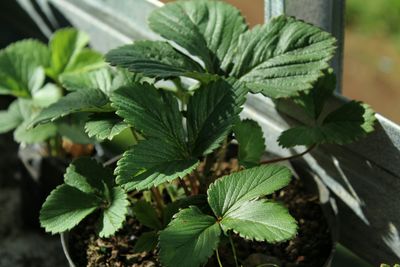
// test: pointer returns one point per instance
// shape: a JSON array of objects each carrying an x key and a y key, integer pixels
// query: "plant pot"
[{"x": 312, "y": 184}]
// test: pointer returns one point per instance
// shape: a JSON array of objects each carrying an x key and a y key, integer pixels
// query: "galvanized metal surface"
[
  {"x": 364, "y": 177},
  {"x": 327, "y": 14}
]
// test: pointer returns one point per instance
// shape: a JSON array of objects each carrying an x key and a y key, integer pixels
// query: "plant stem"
[
  {"x": 290, "y": 157},
  {"x": 112, "y": 160},
  {"x": 135, "y": 136},
  {"x": 184, "y": 186},
  {"x": 221, "y": 156},
  {"x": 158, "y": 198},
  {"x": 218, "y": 259},
  {"x": 193, "y": 185},
  {"x": 181, "y": 91},
  {"x": 233, "y": 250}
]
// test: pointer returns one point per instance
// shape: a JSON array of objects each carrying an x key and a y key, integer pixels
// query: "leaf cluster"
[
  {"x": 32, "y": 72},
  {"x": 181, "y": 98}
]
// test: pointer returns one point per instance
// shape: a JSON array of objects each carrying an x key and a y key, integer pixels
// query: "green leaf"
[
  {"x": 114, "y": 214},
  {"x": 251, "y": 142},
  {"x": 231, "y": 191},
  {"x": 68, "y": 53},
  {"x": 23, "y": 134},
  {"x": 104, "y": 126},
  {"x": 314, "y": 101},
  {"x": 155, "y": 112},
  {"x": 261, "y": 221},
  {"x": 146, "y": 214},
  {"x": 346, "y": 124},
  {"x": 89, "y": 176},
  {"x": 47, "y": 95},
  {"x": 65, "y": 207},
  {"x": 105, "y": 79},
  {"x": 190, "y": 239},
  {"x": 152, "y": 162},
  {"x": 207, "y": 29},
  {"x": 73, "y": 128},
  {"x": 22, "y": 68},
  {"x": 164, "y": 156},
  {"x": 282, "y": 57},
  {"x": 301, "y": 135},
  {"x": 88, "y": 186},
  {"x": 211, "y": 114},
  {"x": 146, "y": 242},
  {"x": 155, "y": 59},
  {"x": 350, "y": 122},
  {"x": 172, "y": 208},
  {"x": 10, "y": 118},
  {"x": 100, "y": 79},
  {"x": 89, "y": 100},
  {"x": 86, "y": 60}
]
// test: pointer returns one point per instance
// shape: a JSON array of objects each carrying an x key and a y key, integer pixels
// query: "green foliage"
[
  {"x": 155, "y": 59},
  {"x": 344, "y": 125},
  {"x": 22, "y": 68},
  {"x": 161, "y": 158},
  {"x": 166, "y": 155},
  {"x": 23, "y": 134},
  {"x": 146, "y": 214},
  {"x": 189, "y": 239},
  {"x": 288, "y": 63},
  {"x": 10, "y": 118},
  {"x": 146, "y": 242},
  {"x": 104, "y": 126},
  {"x": 251, "y": 142},
  {"x": 88, "y": 187},
  {"x": 152, "y": 162},
  {"x": 314, "y": 101},
  {"x": 89, "y": 100},
  {"x": 181, "y": 132},
  {"x": 261, "y": 221},
  {"x": 68, "y": 53},
  {"x": 104, "y": 79},
  {"x": 269, "y": 59},
  {"x": 207, "y": 29},
  {"x": 229, "y": 192},
  {"x": 172, "y": 208},
  {"x": 211, "y": 113},
  {"x": 192, "y": 236}
]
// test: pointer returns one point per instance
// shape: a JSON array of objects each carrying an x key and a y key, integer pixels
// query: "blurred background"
[
  {"x": 371, "y": 54},
  {"x": 371, "y": 57}
]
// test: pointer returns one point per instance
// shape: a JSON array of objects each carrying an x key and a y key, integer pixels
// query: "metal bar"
[{"x": 327, "y": 14}]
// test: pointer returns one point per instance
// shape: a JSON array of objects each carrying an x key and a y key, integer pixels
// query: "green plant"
[
  {"x": 182, "y": 127},
  {"x": 34, "y": 74}
]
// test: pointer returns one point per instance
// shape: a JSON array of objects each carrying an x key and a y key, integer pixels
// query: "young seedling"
[
  {"x": 33, "y": 73},
  {"x": 184, "y": 130}
]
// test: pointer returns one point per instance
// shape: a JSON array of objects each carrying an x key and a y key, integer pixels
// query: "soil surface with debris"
[{"x": 311, "y": 247}]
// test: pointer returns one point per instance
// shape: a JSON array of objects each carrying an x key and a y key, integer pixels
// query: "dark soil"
[
  {"x": 310, "y": 248},
  {"x": 87, "y": 249}
]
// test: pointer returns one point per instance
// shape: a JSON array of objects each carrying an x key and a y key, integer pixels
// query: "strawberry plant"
[
  {"x": 181, "y": 98},
  {"x": 34, "y": 73}
]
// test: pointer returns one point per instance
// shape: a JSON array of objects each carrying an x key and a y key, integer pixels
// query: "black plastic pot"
[{"x": 313, "y": 185}]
